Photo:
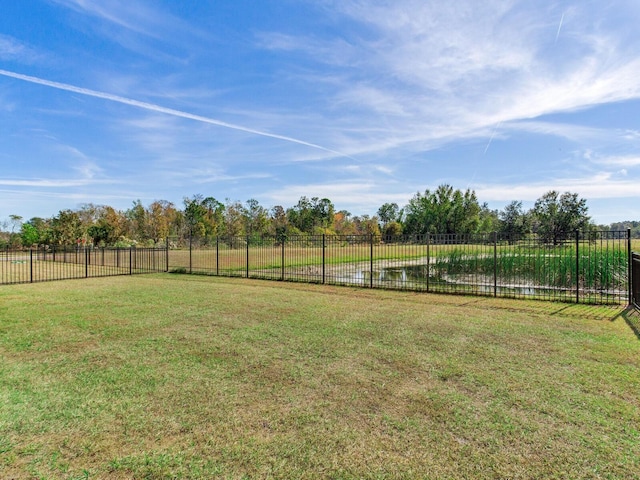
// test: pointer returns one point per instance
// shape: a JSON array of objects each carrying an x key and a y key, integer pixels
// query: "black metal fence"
[
  {"x": 62, "y": 263},
  {"x": 593, "y": 267},
  {"x": 635, "y": 280}
]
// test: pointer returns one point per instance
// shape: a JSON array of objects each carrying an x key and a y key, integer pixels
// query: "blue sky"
[{"x": 362, "y": 102}]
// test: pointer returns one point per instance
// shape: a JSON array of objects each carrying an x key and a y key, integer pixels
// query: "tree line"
[{"x": 444, "y": 210}]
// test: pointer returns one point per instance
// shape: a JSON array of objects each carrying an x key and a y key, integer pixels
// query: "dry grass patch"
[{"x": 200, "y": 377}]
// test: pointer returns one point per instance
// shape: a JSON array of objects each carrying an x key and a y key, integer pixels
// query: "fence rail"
[
  {"x": 47, "y": 264},
  {"x": 584, "y": 268}
]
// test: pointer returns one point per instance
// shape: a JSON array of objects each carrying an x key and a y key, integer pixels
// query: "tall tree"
[
  {"x": 115, "y": 223},
  {"x": 489, "y": 220},
  {"x": 256, "y": 218},
  {"x": 16, "y": 222},
  {"x": 204, "y": 217},
  {"x": 160, "y": 217},
  {"x": 66, "y": 228},
  {"x": 389, "y": 212},
  {"x": 514, "y": 221},
  {"x": 312, "y": 216},
  {"x": 279, "y": 223},
  {"x": 557, "y": 216},
  {"x": 343, "y": 223},
  {"x": 444, "y": 210},
  {"x": 35, "y": 231},
  {"x": 323, "y": 213},
  {"x": 234, "y": 219},
  {"x": 213, "y": 217},
  {"x": 137, "y": 216},
  {"x": 301, "y": 215},
  {"x": 366, "y": 225}
]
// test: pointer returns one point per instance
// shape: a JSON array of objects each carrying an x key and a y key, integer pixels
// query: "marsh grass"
[
  {"x": 203, "y": 377},
  {"x": 602, "y": 269}
]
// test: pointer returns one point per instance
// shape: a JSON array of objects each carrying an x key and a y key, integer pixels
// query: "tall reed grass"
[{"x": 601, "y": 269}]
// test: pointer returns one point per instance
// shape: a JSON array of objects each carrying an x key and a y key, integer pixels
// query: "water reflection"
[{"x": 421, "y": 275}]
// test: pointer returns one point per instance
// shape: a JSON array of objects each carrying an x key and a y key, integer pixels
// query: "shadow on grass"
[
  {"x": 632, "y": 316},
  {"x": 536, "y": 307},
  {"x": 542, "y": 307}
]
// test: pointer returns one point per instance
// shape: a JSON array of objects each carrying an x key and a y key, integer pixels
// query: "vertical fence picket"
[
  {"x": 324, "y": 248},
  {"x": 630, "y": 274},
  {"x": 247, "y": 257},
  {"x": 283, "y": 241},
  {"x": 634, "y": 293},
  {"x": 577, "y": 276},
  {"x": 495, "y": 264},
  {"x": 428, "y": 260},
  {"x": 371, "y": 261}
]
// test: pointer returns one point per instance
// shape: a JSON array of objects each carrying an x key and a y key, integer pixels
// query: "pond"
[{"x": 420, "y": 277}]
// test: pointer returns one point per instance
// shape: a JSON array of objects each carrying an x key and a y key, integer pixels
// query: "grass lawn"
[{"x": 176, "y": 376}]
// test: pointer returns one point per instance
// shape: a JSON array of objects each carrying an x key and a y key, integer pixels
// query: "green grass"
[{"x": 202, "y": 377}]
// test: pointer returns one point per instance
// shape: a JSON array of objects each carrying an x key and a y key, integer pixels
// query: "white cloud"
[
  {"x": 12, "y": 49},
  {"x": 617, "y": 161},
  {"x": 600, "y": 186},
  {"x": 140, "y": 26},
  {"x": 425, "y": 71},
  {"x": 362, "y": 196},
  {"x": 138, "y": 16},
  {"x": 48, "y": 183}
]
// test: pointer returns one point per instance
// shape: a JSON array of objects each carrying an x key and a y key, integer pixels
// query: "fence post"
[
  {"x": 166, "y": 258},
  {"x": 130, "y": 260},
  {"x": 577, "y": 266},
  {"x": 495, "y": 264},
  {"x": 324, "y": 246},
  {"x": 190, "y": 248},
  {"x": 428, "y": 260},
  {"x": 371, "y": 260},
  {"x": 31, "y": 265},
  {"x": 247, "y": 256},
  {"x": 217, "y": 255},
  {"x": 86, "y": 263},
  {"x": 630, "y": 269},
  {"x": 283, "y": 240}
]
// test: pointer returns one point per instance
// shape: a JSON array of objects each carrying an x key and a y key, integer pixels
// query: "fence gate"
[{"x": 635, "y": 280}]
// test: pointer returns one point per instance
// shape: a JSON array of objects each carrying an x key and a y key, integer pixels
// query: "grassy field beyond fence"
[{"x": 174, "y": 376}]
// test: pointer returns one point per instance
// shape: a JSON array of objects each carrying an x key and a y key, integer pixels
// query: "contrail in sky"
[
  {"x": 160, "y": 109},
  {"x": 559, "y": 27},
  {"x": 492, "y": 135}
]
